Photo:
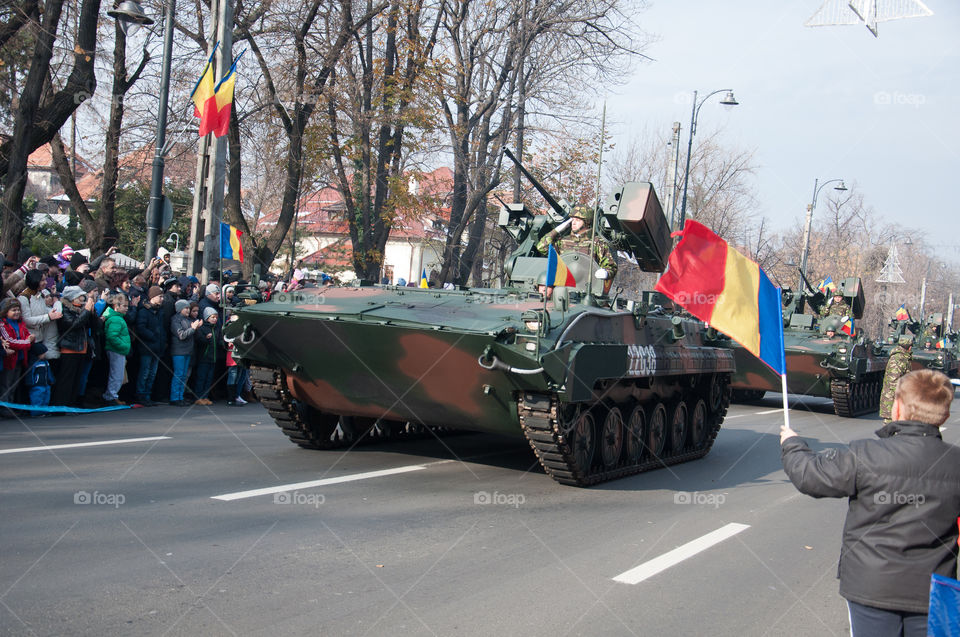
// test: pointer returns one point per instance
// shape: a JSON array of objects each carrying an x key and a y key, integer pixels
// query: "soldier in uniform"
[
  {"x": 839, "y": 307},
  {"x": 579, "y": 241},
  {"x": 898, "y": 365}
]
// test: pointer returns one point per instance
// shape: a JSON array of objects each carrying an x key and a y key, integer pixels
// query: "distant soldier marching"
[{"x": 899, "y": 364}]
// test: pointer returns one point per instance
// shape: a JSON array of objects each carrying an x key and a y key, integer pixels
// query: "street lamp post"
[
  {"x": 728, "y": 100},
  {"x": 130, "y": 13},
  {"x": 806, "y": 231}
]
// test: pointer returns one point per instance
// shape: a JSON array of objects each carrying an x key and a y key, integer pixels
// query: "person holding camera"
[{"x": 904, "y": 499}]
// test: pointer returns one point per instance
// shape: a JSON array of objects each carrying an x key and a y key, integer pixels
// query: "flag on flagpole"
[
  {"x": 230, "y": 246},
  {"x": 203, "y": 96},
  {"x": 827, "y": 285},
  {"x": 558, "y": 274},
  {"x": 423, "y": 279},
  {"x": 223, "y": 98},
  {"x": 902, "y": 313},
  {"x": 941, "y": 344},
  {"x": 722, "y": 287}
]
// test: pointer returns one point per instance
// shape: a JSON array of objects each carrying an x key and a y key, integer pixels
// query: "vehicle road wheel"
[
  {"x": 698, "y": 424},
  {"x": 583, "y": 440},
  {"x": 635, "y": 431},
  {"x": 657, "y": 430},
  {"x": 611, "y": 437},
  {"x": 678, "y": 427}
]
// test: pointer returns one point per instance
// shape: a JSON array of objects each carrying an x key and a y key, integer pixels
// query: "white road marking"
[
  {"x": 239, "y": 495},
  {"x": 769, "y": 411},
  {"x": 84, "y": 444},
  {"x": 679, "y": 554},
  {"x": 737, "y": 416}
]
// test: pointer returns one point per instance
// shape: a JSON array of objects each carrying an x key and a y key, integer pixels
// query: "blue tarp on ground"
[{"x": 56, "y": 409}]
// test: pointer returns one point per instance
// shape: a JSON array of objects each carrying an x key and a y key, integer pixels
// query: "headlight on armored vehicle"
[{"x": 532, "y": 326}]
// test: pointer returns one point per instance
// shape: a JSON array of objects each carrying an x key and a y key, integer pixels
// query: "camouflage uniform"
[
  {"x": 580, "y": 242},
  {"x": 898, "y": 365},
  {"x": 841, "y": 308}
]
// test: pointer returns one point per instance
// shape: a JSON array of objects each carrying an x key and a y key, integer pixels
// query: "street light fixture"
[
  {"x": 841, "y": 187},
  {"x": 170, "y": 240},
  {"x": 129, "y": 13},
  {"x": 728, "y": 100}
]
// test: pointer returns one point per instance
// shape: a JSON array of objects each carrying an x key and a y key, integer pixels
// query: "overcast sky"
[{"x": 821, "y": 102}]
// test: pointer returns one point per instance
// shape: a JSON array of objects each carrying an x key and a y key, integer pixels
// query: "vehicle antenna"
[{"x": 596, "y": 219}]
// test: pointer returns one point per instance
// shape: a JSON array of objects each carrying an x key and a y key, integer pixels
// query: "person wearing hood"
[
  {"x": 208, "y": 344},
  {"x": 903, "y": 495},
  {"x": 152, "y": 338},
  {"x": 74, "y": 327},
  {"x": 17, "y": 340}
]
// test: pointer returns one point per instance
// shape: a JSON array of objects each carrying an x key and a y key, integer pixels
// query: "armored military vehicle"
[
  {"x": 601, "y": 387},
  {"x": 935, "y": 347},
  {"x": 847, "y": 368}
]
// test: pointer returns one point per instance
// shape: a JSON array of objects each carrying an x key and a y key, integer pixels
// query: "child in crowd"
[
  {"x": 17, "y": 340},
  {"x": 182, "y": 331},
  {"x": 207, "y": 336},
  {"x": 117, "y": 345},
  {"x": 39, "y": 379},
  {"x": 236, "y": 377}
]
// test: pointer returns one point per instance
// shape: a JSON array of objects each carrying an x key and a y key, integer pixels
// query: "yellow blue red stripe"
[{"x": 230, "y": 246}]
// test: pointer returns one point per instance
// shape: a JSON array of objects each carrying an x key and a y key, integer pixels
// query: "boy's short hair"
[
  {"x": 118, "y": 299},
  {"x": 925, "y": 396}
]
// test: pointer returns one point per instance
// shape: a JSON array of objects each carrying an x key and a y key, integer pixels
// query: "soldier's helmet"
[
  {"x": 830, "y": 324},
  {"x": 542, "y": 279},
  {"x": 583, "y": 212},
  {"x": 905, "y": 340}
]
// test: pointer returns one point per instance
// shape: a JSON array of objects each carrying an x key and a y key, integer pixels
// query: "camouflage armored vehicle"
[
  {"x": 935, "y": 347},
  {"x": 600, "y": 387},
  {"x": 845, "y": 368}
]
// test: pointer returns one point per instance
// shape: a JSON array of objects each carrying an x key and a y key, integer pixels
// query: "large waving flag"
[
  {"x": 722, "y": 287},
  {"x": 558, "y": 274},
  {"x": 203, "y": 96},
  {"x": 230, "y": 246},
  {"x": 902, "y": 313}
]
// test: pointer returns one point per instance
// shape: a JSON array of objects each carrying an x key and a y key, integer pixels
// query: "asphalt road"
[{"x": 465, "y": 536}]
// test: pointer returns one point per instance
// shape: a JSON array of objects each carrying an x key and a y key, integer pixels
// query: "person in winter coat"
[
  {"x": 182, "y": 331},
  {"x": 904, "y": 498},
  {"x": 39, "y": 315},
  {"x": 208, "y": 342},
  {"x": 73, "y": 327},
  {"x": 17, "y": 339},
  {"x": 117, "y": 346},
  {"x": 39, "y": 379},
  {"x": 152, "y": 337}
]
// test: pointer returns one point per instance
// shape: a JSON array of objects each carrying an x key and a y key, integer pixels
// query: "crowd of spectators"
[{"x": 79, "y": 333}]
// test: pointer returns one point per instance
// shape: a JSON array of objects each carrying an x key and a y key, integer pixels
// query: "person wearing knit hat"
[
  {"x": 152, "y": 341},
  {"x": 77, "y": 261},
  {"x": 208, "y": 343},
  {"x": 211, "y": 299},
  {"x": 182, "y": 331},
  {"x": 73, "y": 329},
  {"x": 72, "y": 292}
]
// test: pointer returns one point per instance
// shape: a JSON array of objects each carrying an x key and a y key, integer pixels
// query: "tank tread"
[
  {"x": 324, "y": 431},
  {"x": 852, "y": 399},
  {"x": 553, "y": 448}
]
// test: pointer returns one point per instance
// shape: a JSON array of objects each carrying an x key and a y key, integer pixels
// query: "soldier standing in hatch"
[
  {"x": 579, "y": 241},
  {"x": 839, "y": 307},
  {"x": 899, "y": 364}
]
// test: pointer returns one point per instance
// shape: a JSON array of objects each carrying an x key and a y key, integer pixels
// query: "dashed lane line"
[
  {"x": 240, "y": 495},
  {"x": 672, "y": 558},
  {"x": 121, "y": 441}
]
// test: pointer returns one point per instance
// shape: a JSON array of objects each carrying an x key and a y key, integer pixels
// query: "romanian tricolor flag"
[
  {"x": 942, "y": 344},
  {"x": 230, "y": 246},
  {"x": 847, "y": 326},
  {"x": 203, "y": 96},
  {"x": 423, "y": 279},
  {"x": 722, "y": 287},
  {"x": 827, "y": 285},
  {"x": 223, "y": 98},
  {"x": 558, "y": 274},
  {"x": 902, "y": 313}
]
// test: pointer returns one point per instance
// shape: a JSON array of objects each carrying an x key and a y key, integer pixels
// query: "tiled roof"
[{"x": 42, "y": 158}]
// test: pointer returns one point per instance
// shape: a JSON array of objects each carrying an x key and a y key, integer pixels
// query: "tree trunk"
[{"x": 19, "y": 149}]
